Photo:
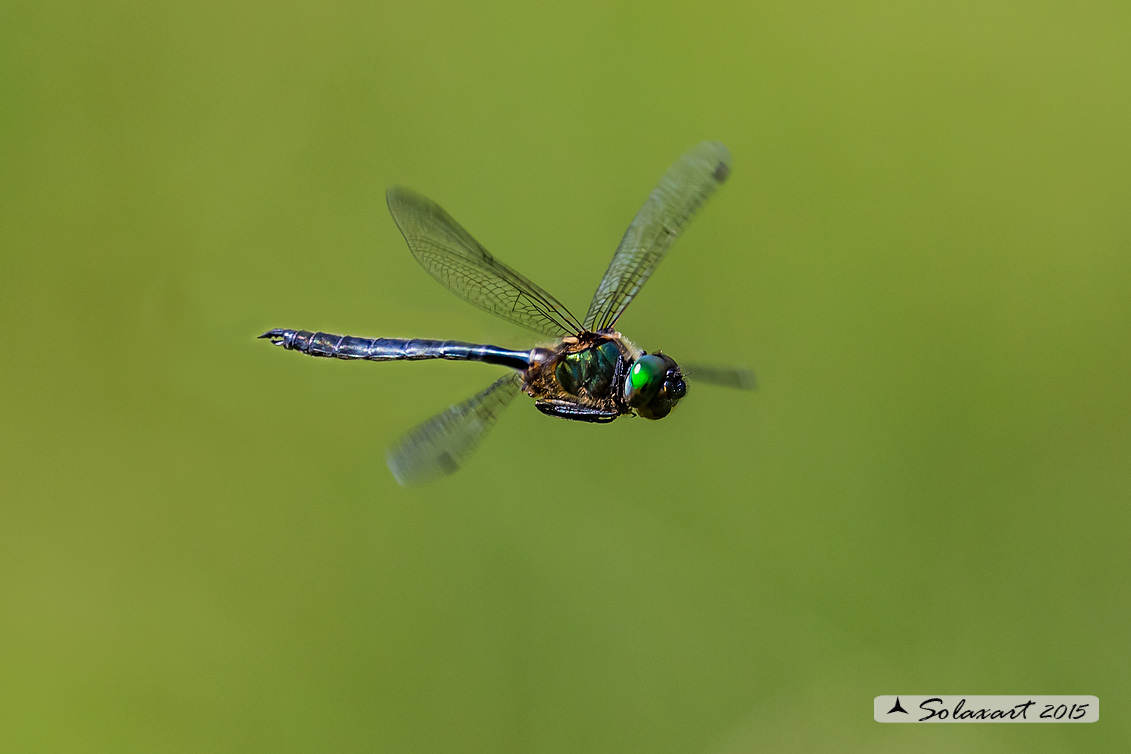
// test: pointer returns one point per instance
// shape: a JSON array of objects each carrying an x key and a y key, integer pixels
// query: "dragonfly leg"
[{"x": 574, "y": 412}]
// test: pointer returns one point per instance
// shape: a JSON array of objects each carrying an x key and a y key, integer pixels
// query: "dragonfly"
[{"x": 588, "y": 373}]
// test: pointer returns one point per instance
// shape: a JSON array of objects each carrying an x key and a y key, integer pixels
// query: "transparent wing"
[
  {"x": 442, "y": 444},
  {"x": 736, "y": 377},
  {"x": 675, "y": 200},
  {"x": 453, "y": 257}
]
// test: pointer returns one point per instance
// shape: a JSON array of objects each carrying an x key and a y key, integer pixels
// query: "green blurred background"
[{"x": 922, "y": 251}]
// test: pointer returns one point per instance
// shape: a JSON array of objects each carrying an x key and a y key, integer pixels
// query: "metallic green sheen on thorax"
[{"x": 591, "y": 370}]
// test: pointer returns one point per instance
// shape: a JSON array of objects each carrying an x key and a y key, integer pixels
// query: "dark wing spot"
[{"x": 447, "y": 464}]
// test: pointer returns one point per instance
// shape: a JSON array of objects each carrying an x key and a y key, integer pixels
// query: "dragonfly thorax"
[
  {"x": 607, "y": 376},
  {"x": 589, "y": 372}
]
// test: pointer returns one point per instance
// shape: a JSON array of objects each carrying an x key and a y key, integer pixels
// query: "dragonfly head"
[{"x": 654, "y": 385}]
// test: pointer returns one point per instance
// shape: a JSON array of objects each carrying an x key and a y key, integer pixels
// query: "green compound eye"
[{"x": 644, "y": 380}]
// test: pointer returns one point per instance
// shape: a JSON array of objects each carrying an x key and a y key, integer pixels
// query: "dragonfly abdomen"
[{"x": 335, "y": 346}]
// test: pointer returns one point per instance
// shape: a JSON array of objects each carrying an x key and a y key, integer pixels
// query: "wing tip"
[
  {"x": 718, "y": 152},
  {"x": 722, "y": 172}
]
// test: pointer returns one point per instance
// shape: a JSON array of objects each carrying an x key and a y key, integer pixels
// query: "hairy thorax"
[{"x": 587, "y": 370}]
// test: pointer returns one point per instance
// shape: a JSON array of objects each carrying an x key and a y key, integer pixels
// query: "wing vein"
[
  {"x": 683, "y": 189},
  {"x": 453, "y": 257}
]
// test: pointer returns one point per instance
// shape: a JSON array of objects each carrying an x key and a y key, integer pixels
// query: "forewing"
[
  {"x": 453, "y": 257},
  {"x": 442, "y": 444},
  {"x": 675, "y": 200},
  {"x": 735, "y": 377}
]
